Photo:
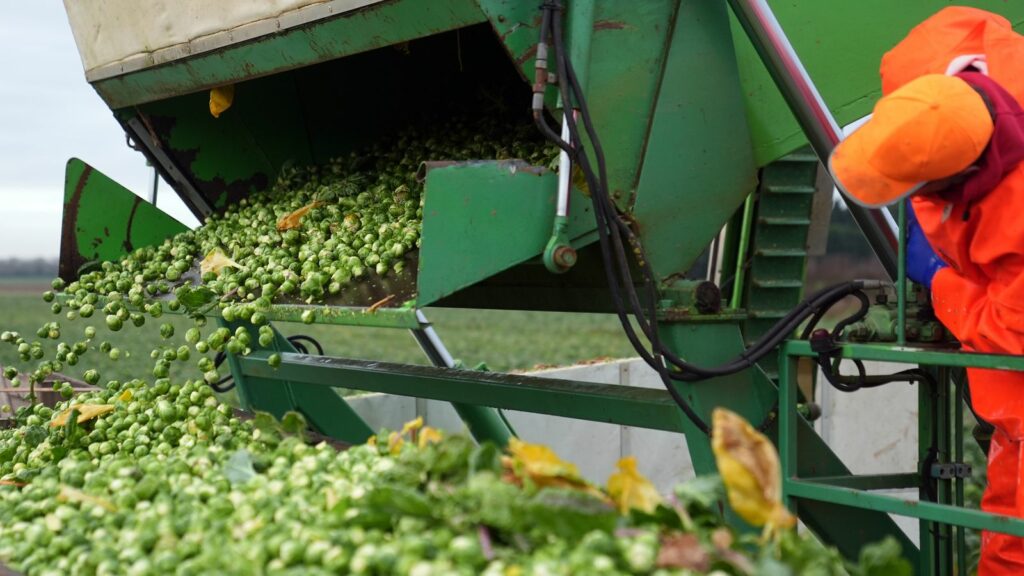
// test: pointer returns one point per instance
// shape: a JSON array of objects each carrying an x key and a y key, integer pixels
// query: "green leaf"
[
  {"x": 270, "y": 430},
  {"x": 883, "y": 558},
  {"x": 194, "y": 297},
  {"x": 238, "y": 469},
  {"x": 485, "y": 457},
  {"x": 703, "y": 492},
  {"x": 294, "y": 423},
  {"x": 398, "y": 500},
  {"x": 570, "y": 513}
]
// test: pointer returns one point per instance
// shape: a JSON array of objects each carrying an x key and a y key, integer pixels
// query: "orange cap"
[{"x": 930, "y": 128}]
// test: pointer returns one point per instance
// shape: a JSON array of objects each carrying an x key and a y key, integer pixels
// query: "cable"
[{"x": 615, "y": 232}]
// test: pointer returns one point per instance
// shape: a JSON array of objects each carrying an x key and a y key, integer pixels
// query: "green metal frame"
[
  {"x": 682, "y": 157},
  {"x": 855, "y": 492}
]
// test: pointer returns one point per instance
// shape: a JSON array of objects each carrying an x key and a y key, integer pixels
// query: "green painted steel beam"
[
  {"x": 613, "y": 404},
  {"x": 871, "y": 481},
  {"x": 752, "y": 394},
  {"x": 931, "y": 355},
  {"x": 403, "y": 317},
  {"x": 943, "y": 513},
  {"x": 350, "y": 33}
]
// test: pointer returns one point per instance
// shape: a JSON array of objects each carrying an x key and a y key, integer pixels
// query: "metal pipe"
[
  {"x": 812, "y": 114},
  {"x": 958, "y": 456},
  {"x": 564, "y": 169},
  {"x": 484, "y": 423},
  {"x": 736, "y": 298},
  {"x": 156, "y": 186}
]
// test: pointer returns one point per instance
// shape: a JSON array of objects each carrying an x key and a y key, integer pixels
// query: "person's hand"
[{"x": 922, "y": 261}]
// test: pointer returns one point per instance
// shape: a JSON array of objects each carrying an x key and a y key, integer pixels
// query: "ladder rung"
[
  {"x": 767, "y": 313},
  {"x": 799, "y": 157},
  {"x": 778, "y": 283},
  {"x": 784, "y": 221},
  {"x": 789, "y": 189},
  {"x": 782, "y": 252}
]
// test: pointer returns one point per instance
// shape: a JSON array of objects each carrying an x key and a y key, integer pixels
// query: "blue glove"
[{"x": 922, "y": 261}]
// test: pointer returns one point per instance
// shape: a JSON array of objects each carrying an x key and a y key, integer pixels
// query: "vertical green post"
[
  {"x": 926, "y": 432},
  {"x": 787, "y": 425},
  {"x": 736, "y": 298},
  {"x": 945, "y": 485},
  {"x": 958, "y": 456},
  {"x": 901, "y": 276}
]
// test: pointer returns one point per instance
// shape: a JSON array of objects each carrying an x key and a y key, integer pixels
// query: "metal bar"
[
  {"x": 564, "y": 168},
  {"x": 156, "y": 186},
  {"x": 870, "y": 481},
  {"x": 811, "y": 113},
  {"x": 926, "y": 435},
  {"x": 901, "y": 278},
  {"x": 787, "y": 425},
  {"x": 974, "y": 519},
  {"x": 484, "y": 423},
  {"x": 736, "y": 298},
  {"x": 195, "y": 201},
  {"x": 933, "y": 356},
  {"x": 958, "y": 456},
  {"x": 945, "y": 491},
  {"x": 614, "y": 404}
]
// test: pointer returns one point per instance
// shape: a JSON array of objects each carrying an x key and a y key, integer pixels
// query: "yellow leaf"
[
  {"x": 86, "y": 412},
  {"x": 428, "y": 435},
  {"x": 216, "y": 261},
  {"x": 540, "y": 461},
  {"x": 69, "y": 494},
  {"x": 221, "y": 99},
  {"x": 372, "y": 440},
  {"x": 412, "y": 425},
  {"x": 125, "y": 396},
  {"x": 395, "y": 443},
  {"x": 750, "y": 470},
  {"x": 630, "y": 490},
  {"x": 293, "y": 219}
]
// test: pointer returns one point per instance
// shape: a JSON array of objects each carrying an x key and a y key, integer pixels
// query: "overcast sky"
[{"x": 49, "y": 113}]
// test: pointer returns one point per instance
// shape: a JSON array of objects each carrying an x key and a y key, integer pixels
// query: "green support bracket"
[
  {"x": 613, "y": 404},
  {"x": 271, "y": 392},
  {"x": 753, "y": 395}
]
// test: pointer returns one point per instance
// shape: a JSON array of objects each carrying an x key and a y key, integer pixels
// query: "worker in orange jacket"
[
  {"x": 954, "y": 144},
  {"x": 961, "y": 167}
]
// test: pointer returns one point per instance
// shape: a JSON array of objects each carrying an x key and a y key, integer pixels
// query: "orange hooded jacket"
[{"x": 980, "y": 296}]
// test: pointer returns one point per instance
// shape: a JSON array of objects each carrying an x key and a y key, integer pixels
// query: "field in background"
[{"x": 505, "y": 341}]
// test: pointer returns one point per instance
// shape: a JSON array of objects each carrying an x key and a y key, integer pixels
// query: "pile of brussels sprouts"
[
  {"x": 154, "y": 476},
  {"x": 356, "y": 216},
  {"x": 164, "y": 479},
  {"x": 316, "y": 231}
]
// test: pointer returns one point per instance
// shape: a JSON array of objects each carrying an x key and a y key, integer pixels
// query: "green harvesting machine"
[{"x": 694, "y": 118}]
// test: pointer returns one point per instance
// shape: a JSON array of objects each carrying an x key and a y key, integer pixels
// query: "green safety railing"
[{"x": 856, "y": 491}]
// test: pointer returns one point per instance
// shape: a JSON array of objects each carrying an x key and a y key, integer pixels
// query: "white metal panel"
[{"x": 119, "y": 36}]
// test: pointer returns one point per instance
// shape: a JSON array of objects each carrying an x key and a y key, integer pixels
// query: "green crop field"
[{"x": 505, "y": 341}]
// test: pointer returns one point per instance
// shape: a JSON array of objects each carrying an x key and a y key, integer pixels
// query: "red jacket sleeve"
[{"x": 984, "y": 318}]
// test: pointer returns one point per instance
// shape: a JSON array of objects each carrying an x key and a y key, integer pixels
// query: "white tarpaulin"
[{"x": 119, "y": 36}]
